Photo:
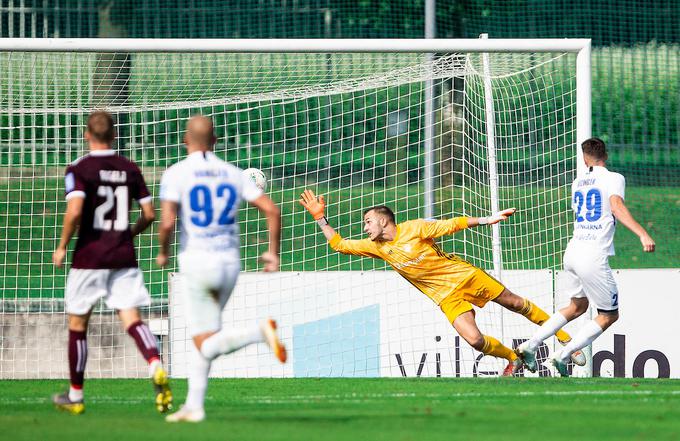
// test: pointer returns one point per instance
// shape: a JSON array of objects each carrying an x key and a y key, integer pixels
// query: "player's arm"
[
  {"x": 74, "y": 211},
  {"x": 165, "y": 230},
  {"x": 316, "y": 207},
  {"x": 623, "y": 215},
  {"x": 146, "y": 218},
  {"x": 273, "y": 214},
  {"x": 141, "y": 193},
  {"x": 490, "y": 220},
  {"x": 431, "y": 229}
]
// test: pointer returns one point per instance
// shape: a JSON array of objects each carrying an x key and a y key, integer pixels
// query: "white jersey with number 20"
[
  {"x": 594, "y": 223},
  {"x": 209, "y": 192}
]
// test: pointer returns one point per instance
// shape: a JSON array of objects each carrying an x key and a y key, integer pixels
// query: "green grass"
[{"x": 358, "y": 409}]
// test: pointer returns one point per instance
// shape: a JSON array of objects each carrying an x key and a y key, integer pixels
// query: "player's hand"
[
  {"x": 315, "y": 206},
  {"x": 500, "y": 216},
  {"x": 58, "y": 257},
  {"x": 162, "y": 260},
  {"x": 648, "y": 243},
  {"x": 271, "y": 262}
]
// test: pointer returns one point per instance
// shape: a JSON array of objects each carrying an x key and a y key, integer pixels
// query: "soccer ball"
[{"x": 258, "y": 178}]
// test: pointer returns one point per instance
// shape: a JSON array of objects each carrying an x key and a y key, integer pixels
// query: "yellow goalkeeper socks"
[
  {"x": 539, "y": 316},
  {"x": 497, "y": 349}
]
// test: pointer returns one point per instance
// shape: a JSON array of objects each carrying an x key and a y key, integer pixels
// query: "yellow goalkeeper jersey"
[{"x": 414, "y": 254}]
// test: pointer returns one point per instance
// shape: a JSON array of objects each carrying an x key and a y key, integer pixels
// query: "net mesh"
[
  {"x": 349, "y": 126},
  {"x": 635, "y": 64}
]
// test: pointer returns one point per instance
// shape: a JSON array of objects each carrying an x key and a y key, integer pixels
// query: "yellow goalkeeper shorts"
[{"x": 478, "y": 290}]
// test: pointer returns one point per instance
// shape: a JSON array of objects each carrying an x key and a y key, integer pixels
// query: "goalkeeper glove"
[
  {"x": 497, "y": 217},
  {"x": 315, "y": 206}
]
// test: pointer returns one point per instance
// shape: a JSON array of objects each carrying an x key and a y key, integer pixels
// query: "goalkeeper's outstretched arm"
[
  {"x": 432, "y": 229},
  {"x": 490, "y": 220},
  {"x": 316, "y": 207}
]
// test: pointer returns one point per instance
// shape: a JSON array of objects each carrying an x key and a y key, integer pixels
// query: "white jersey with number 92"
[
  {"x": 209, "y": 192},
  {"x": 594, "y": 223}
]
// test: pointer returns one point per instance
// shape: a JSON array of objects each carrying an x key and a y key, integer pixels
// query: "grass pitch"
[{"x": 357, "y": 409}]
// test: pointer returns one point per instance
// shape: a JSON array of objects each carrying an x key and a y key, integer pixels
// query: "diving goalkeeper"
[{"x": 451, "y": 282}]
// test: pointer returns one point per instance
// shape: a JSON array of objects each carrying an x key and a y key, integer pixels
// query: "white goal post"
[{"x": 345, "y": 117}]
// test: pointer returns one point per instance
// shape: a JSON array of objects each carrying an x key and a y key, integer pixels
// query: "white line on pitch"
[
  {"x": 359, "y": 397},
  {"x": 356, "y": 397}
]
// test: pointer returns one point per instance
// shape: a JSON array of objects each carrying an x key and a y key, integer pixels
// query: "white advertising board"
[{"x": 370, "y": 324}]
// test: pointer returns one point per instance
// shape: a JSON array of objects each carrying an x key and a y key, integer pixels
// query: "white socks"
[
  {"x": 550, "y": 327},
  {"x": 224, "y": 342},
  {"x": 585, "y": 336},
  {"x": 230, "y": 340},
  {"x": 199, "y": 368},
  {"x": 153, "y": 366},
  {"x": 75, "y": 394}
]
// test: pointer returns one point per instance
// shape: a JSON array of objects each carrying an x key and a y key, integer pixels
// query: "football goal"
[{"x": 431, "y": 128}]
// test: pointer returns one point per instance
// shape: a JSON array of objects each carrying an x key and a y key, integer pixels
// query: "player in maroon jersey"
[{"x": 100, "y": 187}]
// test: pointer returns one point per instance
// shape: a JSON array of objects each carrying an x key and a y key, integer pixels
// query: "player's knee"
[
  {"x": 580, "y": 307},
  {"x": 476, "y": 341},
  {"x": 510, "y": 300},
  {"x": 575, "y": 309},
  {"x": 200, "y": 338},
  {"x": 515, "y": 303},
  {"x": 608, "y": 318},
  {"x": 78, "y": 323}
]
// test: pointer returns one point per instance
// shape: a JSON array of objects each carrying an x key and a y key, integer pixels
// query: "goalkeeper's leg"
[
  {"x": 528, "y": 309},
  {"x": 466, "y": 326}
]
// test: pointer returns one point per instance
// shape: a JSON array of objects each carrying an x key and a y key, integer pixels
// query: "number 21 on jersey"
[
  {"x": 113, "y": 200},
  {"x": 588, "y": 206}
]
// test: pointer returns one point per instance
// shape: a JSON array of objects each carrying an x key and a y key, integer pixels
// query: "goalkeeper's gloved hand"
[
  {"x": 315, "y": 206},
  {"x": 497, "y": 217}
]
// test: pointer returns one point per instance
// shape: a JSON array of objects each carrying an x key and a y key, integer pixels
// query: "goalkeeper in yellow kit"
[{"x": 451, "y": 282}]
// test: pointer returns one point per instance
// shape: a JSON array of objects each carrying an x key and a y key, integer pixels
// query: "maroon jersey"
[{"x": 108, "y": 182}]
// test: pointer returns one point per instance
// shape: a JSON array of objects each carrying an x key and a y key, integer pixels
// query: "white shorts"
[
  {"x": 121, "y": 289},
  {"x": 208, "y": 281},
  {"x": 588, "y": 274}
]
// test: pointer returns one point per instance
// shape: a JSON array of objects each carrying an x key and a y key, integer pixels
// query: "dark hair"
[
  {"x": 100, "y": 126},
  {"x": 595, "y": 148},
  {"x": 383, "y": 211}
]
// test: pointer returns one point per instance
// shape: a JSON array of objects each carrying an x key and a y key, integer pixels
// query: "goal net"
[{"x": 452, "y": 134}]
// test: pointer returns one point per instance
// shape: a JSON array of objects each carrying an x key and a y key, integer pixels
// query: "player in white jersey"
[
  {"x": 205, "y": 193},
  {"x": 598, "y": 204}
]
